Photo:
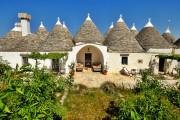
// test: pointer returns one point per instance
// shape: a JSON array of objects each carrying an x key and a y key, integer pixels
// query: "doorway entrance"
[
  {"x": 161, "y": 64},
  {"x": 88, "y": 59},
  {"x": 55, "y": 65}
]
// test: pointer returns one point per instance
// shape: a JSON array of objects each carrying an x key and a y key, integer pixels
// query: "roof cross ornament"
[
  {"x": 120, "y": 18},
  {"x": 88, "y": 17},
  {"x": 168, "y": 28},
  {"x": 41, "y": 25},
  {"x": 58, "y": 21},
  {"x": 64, "y": 25},
  {"x": 111, "y": 26},
  {"x": 133, "y": 27},
  {"x": 149, "y": 24}
]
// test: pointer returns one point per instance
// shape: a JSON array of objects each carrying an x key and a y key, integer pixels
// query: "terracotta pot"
[
  {"x": 105, "y": 72},
  {"x": 72, "y": 73}
]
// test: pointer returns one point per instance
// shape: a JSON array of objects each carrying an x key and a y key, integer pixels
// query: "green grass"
[
  {"x": 87, "y": 104},
  {"x": 91, "y": 104}
]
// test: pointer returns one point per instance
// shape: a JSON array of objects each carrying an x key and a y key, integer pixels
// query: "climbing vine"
[
  {"x": 37, "y": 55},
  {"x": 174, "y": 57}
]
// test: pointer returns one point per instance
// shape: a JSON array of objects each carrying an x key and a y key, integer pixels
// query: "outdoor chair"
[
  {"x": 97, "y": 67},
  {"x": 79, "y": 67}
]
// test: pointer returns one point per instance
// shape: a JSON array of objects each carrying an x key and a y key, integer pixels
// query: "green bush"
[
  {"x": 145, "y": 107},
  {"x": 148, "y": 82},
  {"x": 150, "y": 102},
  {"x": 4, "y": 67},
  {"x": 108, "y": 87},
  {"x": 31, "y": 97},
  {"x": 174, "y": 96}
]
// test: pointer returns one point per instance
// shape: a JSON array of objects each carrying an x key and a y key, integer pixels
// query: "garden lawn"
[{"x": 89, "y": 104}]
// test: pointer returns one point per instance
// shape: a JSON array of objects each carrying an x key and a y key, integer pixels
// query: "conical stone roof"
[
  {"x": 168, "y": 36},
  {"x": 108, "y": 32},
  {"x": 120, "y": 39},
  {"x": 9, "y": 42},
  {"x": 42, "y": 32},
  {"x": 89, "y": 33},
  {"x": 13, "y": 34},
  {"x": 177, "y": 43},
  {"x": 133, "y": 30},
  {"x": 32, "y": 42},
  {"x": 149, "y": 37},
  {"x": 59, "y": 39}
]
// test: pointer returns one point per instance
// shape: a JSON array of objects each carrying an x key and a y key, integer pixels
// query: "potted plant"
[
  {"x": 105, "y": 70},
  {"x": 72, "y": 69}
]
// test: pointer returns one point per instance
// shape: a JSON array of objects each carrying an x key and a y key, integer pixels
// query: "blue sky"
[{"x": 103, "y": 12}]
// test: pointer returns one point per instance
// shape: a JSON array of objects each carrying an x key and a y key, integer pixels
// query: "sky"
[{"x": 102, "y": 12}]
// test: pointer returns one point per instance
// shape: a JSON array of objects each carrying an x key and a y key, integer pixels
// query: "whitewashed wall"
[
  {"x": 72, "y": 56},
  {"x": 177, "y": 51},
  {"x": 97, "y": 56},
  {"x": 15, "y": 58},
  {"x": 115, "y": 61},
  {"x": 160, "y": 51}
]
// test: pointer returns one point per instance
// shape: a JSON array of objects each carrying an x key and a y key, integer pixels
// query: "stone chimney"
[{"x": 25, "y": 23}]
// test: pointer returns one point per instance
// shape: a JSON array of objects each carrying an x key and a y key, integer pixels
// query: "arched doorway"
[{"x": 90, "y": 56}]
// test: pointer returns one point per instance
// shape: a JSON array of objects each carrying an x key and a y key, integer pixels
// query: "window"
[
  {"x": 124, "y": 60},
  {"x": 25, "y": 60},
  {"x": 140, "y": 61}
]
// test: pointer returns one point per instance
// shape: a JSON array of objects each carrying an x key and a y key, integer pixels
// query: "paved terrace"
[{"x": 96, "y": 79}]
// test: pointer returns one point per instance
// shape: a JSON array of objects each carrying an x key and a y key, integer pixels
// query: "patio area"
[{"x": 96, "y": 79}]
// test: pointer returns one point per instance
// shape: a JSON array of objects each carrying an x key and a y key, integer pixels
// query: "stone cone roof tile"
[
  {"x": 169, "y": 37},
  {"x": 13, "y": 34},
  {"x": 89, "y": 33},
  {"x": 106, "y": 35},
  {"x": 31, "y": 42},
  {"x": 134, "y": 32},
  {"x": 59, "y": 39},
  {"x": 9, "y": 42},
  {"x": 120, "y": 39},
  {"x": 177, "y": 43},
  {"x": 149, "y": 37}
]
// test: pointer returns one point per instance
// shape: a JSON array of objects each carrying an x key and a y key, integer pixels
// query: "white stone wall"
[
  {"x": 12, "y": 57},
  {"x": 177, "y": 51},
  {"x": 170, "y": 66},
  {"x": 15, "y": 58},
  {"x": 96, "y": 55},
  {"x": 115, "y": 61},
  {"x": 160, "y": 51},
  {"x": 72, "y": 56}
]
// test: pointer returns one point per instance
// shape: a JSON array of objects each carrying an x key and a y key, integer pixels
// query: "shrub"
[
  {"x": 80, "y": 87},
  {"x": 31, "y": 97},
  {"x": 4, "y": 67},
  {"x": 174, "y": 96},
  {"x": 147, "y": 106},
  {"x": 150, "y": 103},
  {"x": 148, "y": 82},
  {"x": 108, "y": 87}
]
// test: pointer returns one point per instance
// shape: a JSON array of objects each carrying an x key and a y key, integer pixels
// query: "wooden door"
[
  {"x": 161, "y": 64},
  {"x": 88, "y": 59}
]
